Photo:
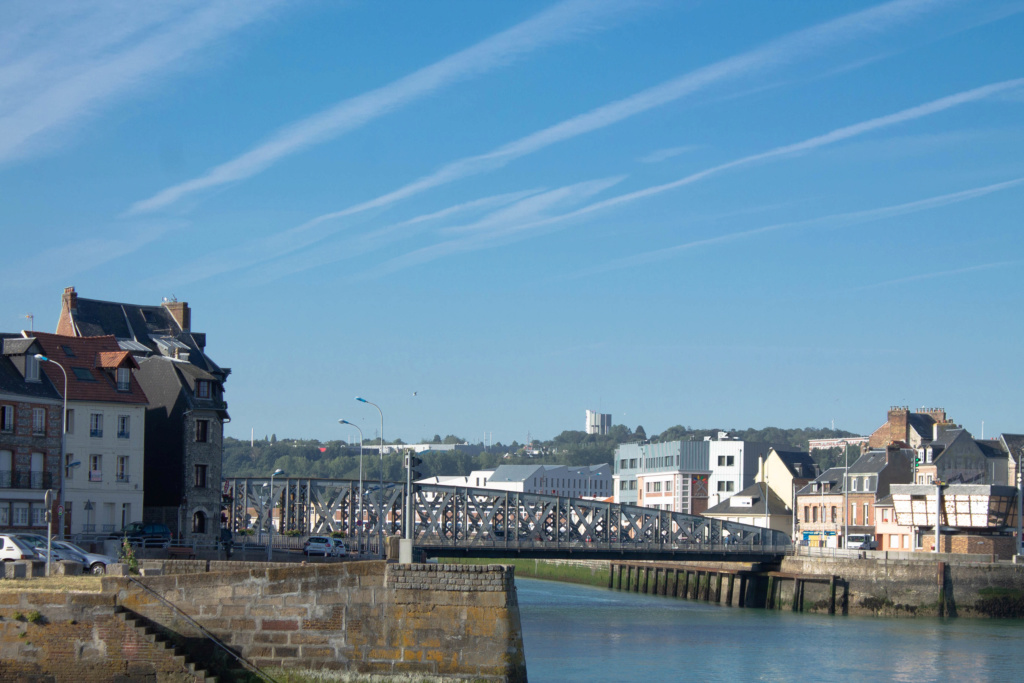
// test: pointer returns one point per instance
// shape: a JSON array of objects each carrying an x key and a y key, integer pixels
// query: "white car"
[
  {"x": 13, "y": 548},
  {"x": 325, "y": 545},
  {"x": 93, "y": 562}
]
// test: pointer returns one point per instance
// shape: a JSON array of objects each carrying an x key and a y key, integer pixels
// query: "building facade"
[
  {"x": 106, "y": 426},
  {"x": 586, "y": 481},
  {"x": 187, "y": 411},
  {"x": 672, "y": 475},
  {"x": 598, "y": 423},
  {"x": 30, "y": 436}
]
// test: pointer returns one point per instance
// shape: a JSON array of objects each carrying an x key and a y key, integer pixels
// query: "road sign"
[{"x": 60, "y": 509}]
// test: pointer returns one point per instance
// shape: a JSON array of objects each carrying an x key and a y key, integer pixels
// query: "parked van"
[{"x": 861, "y": 542}]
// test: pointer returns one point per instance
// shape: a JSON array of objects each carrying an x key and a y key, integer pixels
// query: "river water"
[{"x": 581, "y": 633}]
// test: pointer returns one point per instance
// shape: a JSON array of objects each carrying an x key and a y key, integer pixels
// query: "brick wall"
[{"x": 360, "y": 617}]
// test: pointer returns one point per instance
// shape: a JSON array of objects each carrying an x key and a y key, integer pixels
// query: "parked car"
[
  {"x": 149, "y": 535},
  {"x": 92, "y": 562},
  {"x": 861, "y": 542},
  {"x": 13, "y": 548},
  {"x": 38, "y": 543},
  {"x": 325, "y": 545}
]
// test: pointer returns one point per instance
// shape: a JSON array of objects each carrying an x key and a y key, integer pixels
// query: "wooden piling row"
[{"x": 706, "y": 584}]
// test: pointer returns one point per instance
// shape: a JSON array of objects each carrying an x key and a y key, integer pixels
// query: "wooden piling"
[
  {"x": 728, "y": 593},
  {"x": 832, "y": 595},
  {"x": 797, "y": 586},
  {"x": 769, "y": 602}
]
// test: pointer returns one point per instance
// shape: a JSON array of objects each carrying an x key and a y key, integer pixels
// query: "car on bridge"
[{"x": 324, "y": 545}]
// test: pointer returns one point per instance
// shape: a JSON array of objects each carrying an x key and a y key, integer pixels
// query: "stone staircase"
[{"x": 152, "y": 635}]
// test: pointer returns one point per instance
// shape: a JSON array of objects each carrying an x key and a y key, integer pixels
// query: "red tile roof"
[{"x": 89, "y": 356}]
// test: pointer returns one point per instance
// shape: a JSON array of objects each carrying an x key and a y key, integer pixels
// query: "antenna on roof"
[{"x": 31, "y": 322}]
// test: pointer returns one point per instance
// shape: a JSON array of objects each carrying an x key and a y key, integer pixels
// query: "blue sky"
[{"x": 489, "y": 217}]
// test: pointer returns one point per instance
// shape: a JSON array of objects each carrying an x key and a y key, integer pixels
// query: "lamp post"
[
  {"x": 360, "y": 506},
  {"x": 846, "y": 499},
  {"x": 270, "y": 513},
  {"x": 380, "y": 492},
  {"x": 64, "y": 428}
]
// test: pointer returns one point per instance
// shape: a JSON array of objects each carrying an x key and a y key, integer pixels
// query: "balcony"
[
  {"x": 96, "y": 433},
  {"x": 88, "y": 528},
  {"x": 25, "y": 480},
  {"x": 123, "y": 478},
  {"x": 123, "y": 435}
]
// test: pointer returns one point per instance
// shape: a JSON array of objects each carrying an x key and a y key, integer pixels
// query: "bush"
[
  {"x": 34, "y": 617},
  {"x": 127, "y": 556}
]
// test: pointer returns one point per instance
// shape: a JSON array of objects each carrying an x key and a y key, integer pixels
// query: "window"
[
  {"x": 622, "y": 485},
  {"x": 21, "y": 514},
  {"x": 853, "y": 513},
  {"x": 95, "y": 468},
  {"x": 68, "y": 351},
  {"x": 632, "y": 485},
  {"x": 39, "y": 421},
  {"x": 834, "y": 513},
  {"x": 31, "y": 369},
  {"x": 202, "y": 430},
  {"x": 657, "y": 487},
  {"x": 632, "y": 463},
  {"x": 853, "y": 484},
  {"x": 7, "y": 418},
  {"x": 83, "y": 374},
  {"x": 68, "y": 470},
  {"x": 807, "y": 513},
  {"x": 69, "y": 421},
  {"x": 199, "y": 522},
  {"x": 668, "y": 486},
  {"x": 122, "y": 468},
  {"x": 647, "y": 487},
  {"x": 200, "y": 476},
  {"x": 814, "y": 513},
  {"x": 6, "y": 462},
  {"x": 726, "y": 486},
  {"x": 126, "y": 514},
  {"x": 726, "y": 460},
  {"x": 38, "y": 515},
  {"x": 203, "y": 388},
  {"x": 123, "y": 426},
  {"x": 622, "y": 464},
  {"x": 5, "y": 515},
  {"x": 866, "y": 520},
  {"x": 124, "y": 378},
  {"x": 96, "y": 425}
]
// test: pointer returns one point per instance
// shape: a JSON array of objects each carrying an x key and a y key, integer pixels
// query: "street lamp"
[
  {"x": 270, "y": 513},
  {"x": 63, "y": 431},
  {"x": 360, "y": 506},
  {"x": 380, "y": 493}
]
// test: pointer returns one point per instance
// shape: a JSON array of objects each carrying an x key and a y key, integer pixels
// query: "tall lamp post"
[
  {"x": 380, "y": 493},
  {"x": 360, "y": 506},
  {"x": 63, "y": 431},
  {"x": 270, "y": 513}
]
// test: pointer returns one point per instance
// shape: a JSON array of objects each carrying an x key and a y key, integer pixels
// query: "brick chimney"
[
  {"x": 180, "y": 311},
  {"x": 898, "y": 429},
  {"x": 68, "y": 308}
]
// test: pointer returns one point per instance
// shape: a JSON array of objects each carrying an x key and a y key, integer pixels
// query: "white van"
[{"x": 861, "y": 542}]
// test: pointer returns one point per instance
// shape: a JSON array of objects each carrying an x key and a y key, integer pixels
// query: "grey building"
[{"x": 186, "y": 413}]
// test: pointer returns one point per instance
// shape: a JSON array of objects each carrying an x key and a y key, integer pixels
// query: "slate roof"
[
  {"x": 834, "y": 478},
  {"x": 11, "y": 379},
  {"x": 512, "y": 473},
  {"x": 871, "y": 462},
  {"x": 88, "y": 354},
  {"x": 948, "y": 437},
  {"x": 151, "y": 326},
  {"x": 801, "y": 465},
  {"x": 1014, "y": 443},
  {"x": 922, "y": 423},
  {"x": 776, "y": 506},
  {"x": 991, "y": 448},
  {"x": 17, "y": 345}
]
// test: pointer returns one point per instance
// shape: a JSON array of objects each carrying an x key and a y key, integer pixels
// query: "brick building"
[
  {"x": 186, "y": 414},
  {"x": 30, "y": 435}
]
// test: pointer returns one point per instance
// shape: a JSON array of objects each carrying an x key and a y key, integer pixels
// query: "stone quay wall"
[
  {"x": 941, "y": 586},
  {"x": 57, "y": 636},
  {"x": 448, "y": 622}
]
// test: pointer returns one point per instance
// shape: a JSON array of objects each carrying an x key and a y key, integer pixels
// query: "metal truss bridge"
[{"x": 471, "y": 522}]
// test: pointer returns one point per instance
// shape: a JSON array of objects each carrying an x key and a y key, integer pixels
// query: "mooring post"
[
  {"x": 685, "y": 592},
  {"x": 743, "y": 590},
  {"x": 728, "y": 593},
  {"x": 675, "y": 584},
  {"x": 797, "y": 585},
  {"x": 768, "y": 602},
  {"x": 718, "y": 587},
  {"x": 832, "y": 595},
  {"x": 611, "y": 575}
]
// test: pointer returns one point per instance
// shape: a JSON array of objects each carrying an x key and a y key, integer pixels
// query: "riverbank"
[{"x": 932, "y": 586}]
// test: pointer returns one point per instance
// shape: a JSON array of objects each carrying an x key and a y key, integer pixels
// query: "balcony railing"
[
  {"x": 25, "y": 480},
  {"x": 122, "y": 435},
  {"x": 98, "y": 433},
  {"x": 123, "y": 478},
  {"x": 88, "y": 528}
]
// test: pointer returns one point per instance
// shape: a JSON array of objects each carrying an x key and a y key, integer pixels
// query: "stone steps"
[{"x": 176, "y": 654}]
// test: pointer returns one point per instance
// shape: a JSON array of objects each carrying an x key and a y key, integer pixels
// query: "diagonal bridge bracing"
[{"x": 463, "y": 521}]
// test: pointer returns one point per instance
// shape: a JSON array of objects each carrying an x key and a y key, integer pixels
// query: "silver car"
[{"x": 93, "y": 562}]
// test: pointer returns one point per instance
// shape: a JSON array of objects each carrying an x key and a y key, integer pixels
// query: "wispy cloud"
[
  {"x": 556, "y": 24},
  {"x": 498, "y": 228},
  {"x": 57, "y": 263},
  {"x": 660, "y": 155},
  {"x": 782, "y": 51},
  {"x": 838, "y": 220},
  {"x": 833, "y": 137},
  {"x": 939, "y": 274},
  {"x": 62, "y": 62}
]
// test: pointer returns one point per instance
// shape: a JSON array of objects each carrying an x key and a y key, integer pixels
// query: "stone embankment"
[{"x": 370, "y": 619}]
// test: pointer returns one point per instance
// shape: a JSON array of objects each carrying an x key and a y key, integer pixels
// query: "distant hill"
[{"x": 340, "y": 460}]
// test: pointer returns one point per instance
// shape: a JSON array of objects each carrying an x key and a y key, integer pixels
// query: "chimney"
[
  {"x": 68, "y": 309},
  {"x": 180, "y": 311}
]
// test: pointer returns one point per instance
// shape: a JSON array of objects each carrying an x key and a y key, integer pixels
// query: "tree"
[
  {"x": 436, "y": 439},
  {"x": 452, "y": 439},
  {"x": 273, "y": 438},
  {"x": 640, "y": 433}
]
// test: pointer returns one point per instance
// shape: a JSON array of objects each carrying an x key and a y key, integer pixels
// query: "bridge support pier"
[{"x": 728, "y": 593}]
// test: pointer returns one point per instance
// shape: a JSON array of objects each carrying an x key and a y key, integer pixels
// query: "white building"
[
  {"x": 106, "y": 422},
  {"x": 598, "y": 423},
  {"x": 734, "y": 466},
  {"x": 586, "y": 481}
]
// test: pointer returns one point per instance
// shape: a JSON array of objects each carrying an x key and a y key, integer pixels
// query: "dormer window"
[
  {"x": 124, "y": 376},
  {"x": 853, "y": 484},
  {"x": 202, "y": 388},
  {"x": 31, "y": 369}
]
